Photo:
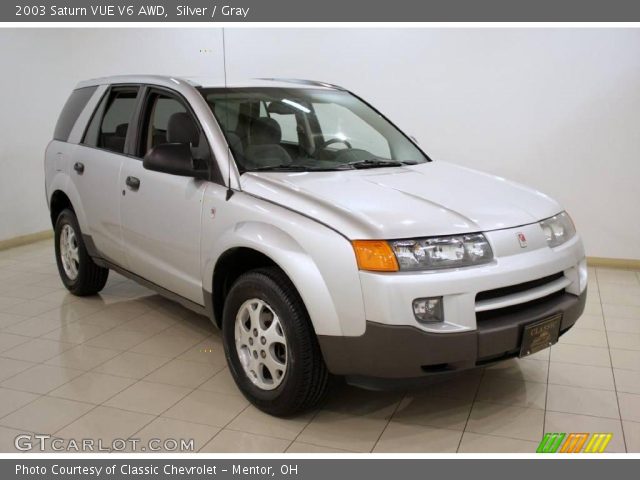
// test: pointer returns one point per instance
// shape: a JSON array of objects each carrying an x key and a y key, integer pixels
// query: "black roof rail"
[{"x": 301, "y": 81}]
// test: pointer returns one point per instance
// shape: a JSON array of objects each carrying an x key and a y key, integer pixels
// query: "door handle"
[
  {"x": 133, "y": 183},
  {"x": 79, "y": 167}
]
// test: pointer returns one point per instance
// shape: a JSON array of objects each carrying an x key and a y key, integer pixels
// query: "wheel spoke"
[
  {"x": 255, "y": 309},
  {"x": 242, "y": 334},
  {"x": 276, "y": 369},
  {"x": 274, "y": 333},
  {"x": 277, "y": 362}
]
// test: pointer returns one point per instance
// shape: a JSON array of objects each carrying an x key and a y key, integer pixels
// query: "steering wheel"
[{"x": 331, "y": 141}]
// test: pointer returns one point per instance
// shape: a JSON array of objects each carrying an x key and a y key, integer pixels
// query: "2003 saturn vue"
[{"x": 318, "y": 236}]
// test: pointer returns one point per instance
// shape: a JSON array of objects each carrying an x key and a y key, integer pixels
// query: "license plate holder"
[{"x": 540, "y": 335}]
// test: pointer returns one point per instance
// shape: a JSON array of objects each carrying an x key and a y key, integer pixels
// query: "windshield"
[{"x": 303, "y": 129}]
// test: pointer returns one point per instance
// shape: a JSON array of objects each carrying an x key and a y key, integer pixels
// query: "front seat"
[
  {"x": 264, "y": 147},
  {"x": 182, "y": 129}
]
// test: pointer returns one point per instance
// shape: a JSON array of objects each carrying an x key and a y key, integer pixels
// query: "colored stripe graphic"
[
  {"x": 574, "y": 442},
  {"x": 598, "y": 443},
  {"x": 550, "y": 442}
]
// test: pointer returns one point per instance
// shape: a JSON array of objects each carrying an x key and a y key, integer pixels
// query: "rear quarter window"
[{"x": 71, "y": 111}]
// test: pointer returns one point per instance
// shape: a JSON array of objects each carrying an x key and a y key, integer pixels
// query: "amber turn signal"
[{"x": 375, "y": 256}]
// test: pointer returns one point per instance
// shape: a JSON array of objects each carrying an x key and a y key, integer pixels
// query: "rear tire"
[
  {"x": 300, "y": 377},
  {"x": 79, "y": 274}
]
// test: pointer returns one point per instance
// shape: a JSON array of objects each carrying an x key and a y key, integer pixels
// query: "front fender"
[{"x": 321, "y": 266}]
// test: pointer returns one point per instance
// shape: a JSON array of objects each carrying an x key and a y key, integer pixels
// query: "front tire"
[
  {"x": 79, "y": 274},
  {"x": 270, "y": 345}
]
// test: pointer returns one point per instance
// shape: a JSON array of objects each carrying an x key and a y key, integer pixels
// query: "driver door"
[{"x": 161, "y": 213}]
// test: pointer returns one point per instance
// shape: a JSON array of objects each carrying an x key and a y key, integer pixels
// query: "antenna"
[{"x": 224, "y": 68}]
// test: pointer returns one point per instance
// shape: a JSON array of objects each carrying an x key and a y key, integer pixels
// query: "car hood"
[{"x": 434, "y": 198}]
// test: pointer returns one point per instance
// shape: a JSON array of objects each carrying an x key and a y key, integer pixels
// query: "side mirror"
[{"x": 174, "y": 159}]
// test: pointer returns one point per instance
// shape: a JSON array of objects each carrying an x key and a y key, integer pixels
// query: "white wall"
[
  {"x": 40, "y": 67},
  {"x": 556, "y": 109}
]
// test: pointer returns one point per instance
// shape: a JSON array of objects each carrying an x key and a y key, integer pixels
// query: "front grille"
[
  {"x": 520, "y": 287},
  {"x": 504, "y": 312}
]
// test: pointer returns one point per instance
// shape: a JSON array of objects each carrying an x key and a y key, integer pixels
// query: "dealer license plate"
[{"x": 540, "y": 335}]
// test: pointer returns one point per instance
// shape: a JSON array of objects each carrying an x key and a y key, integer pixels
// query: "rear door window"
[{"x": 110, "y": 124}]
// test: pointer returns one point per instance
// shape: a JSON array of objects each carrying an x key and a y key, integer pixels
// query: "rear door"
[
  {"x": 96, "y": 168},
  {"x": 161, "y": 213}
]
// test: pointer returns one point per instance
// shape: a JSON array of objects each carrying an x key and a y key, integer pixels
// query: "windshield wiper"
[{"x": 375, "y": 162}]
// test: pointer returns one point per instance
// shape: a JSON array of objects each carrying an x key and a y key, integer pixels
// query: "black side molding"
[{"x": 206, "y": 310}]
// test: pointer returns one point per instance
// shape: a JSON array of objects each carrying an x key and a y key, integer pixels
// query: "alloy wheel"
[
  {"x": 69, "y": 252},
  {"x": 261, "y": 344}
]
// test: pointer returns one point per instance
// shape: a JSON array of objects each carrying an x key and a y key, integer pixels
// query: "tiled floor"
[{"x": 129, "y": 364}]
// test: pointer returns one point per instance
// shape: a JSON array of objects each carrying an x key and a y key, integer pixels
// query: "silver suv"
[{"x": 316, "y": 234}]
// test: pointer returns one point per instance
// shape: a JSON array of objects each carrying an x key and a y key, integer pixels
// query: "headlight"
[
  {"x": 558, "y": 229},
  {"x": 442, "y": 252}
]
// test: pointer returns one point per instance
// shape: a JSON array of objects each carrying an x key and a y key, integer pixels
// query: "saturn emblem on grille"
[{"x": 522, "y": 239}]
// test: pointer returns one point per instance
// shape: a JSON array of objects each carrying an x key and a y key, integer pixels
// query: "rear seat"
[{"x": 115, "y": 141}]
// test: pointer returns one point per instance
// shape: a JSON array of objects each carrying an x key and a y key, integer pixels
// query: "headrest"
[
  {"x": 182, "y": 129},
  {"x": 121, "y": 130},
  {"x": 264, "y": 131}
]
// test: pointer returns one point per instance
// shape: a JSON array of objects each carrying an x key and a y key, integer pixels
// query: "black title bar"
[
  {"x": 320, "y": 11},
  {"x": 564, "y": 466}
]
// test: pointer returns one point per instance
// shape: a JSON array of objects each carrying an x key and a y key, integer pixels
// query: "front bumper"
[{"x": 403, "y": 352}]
